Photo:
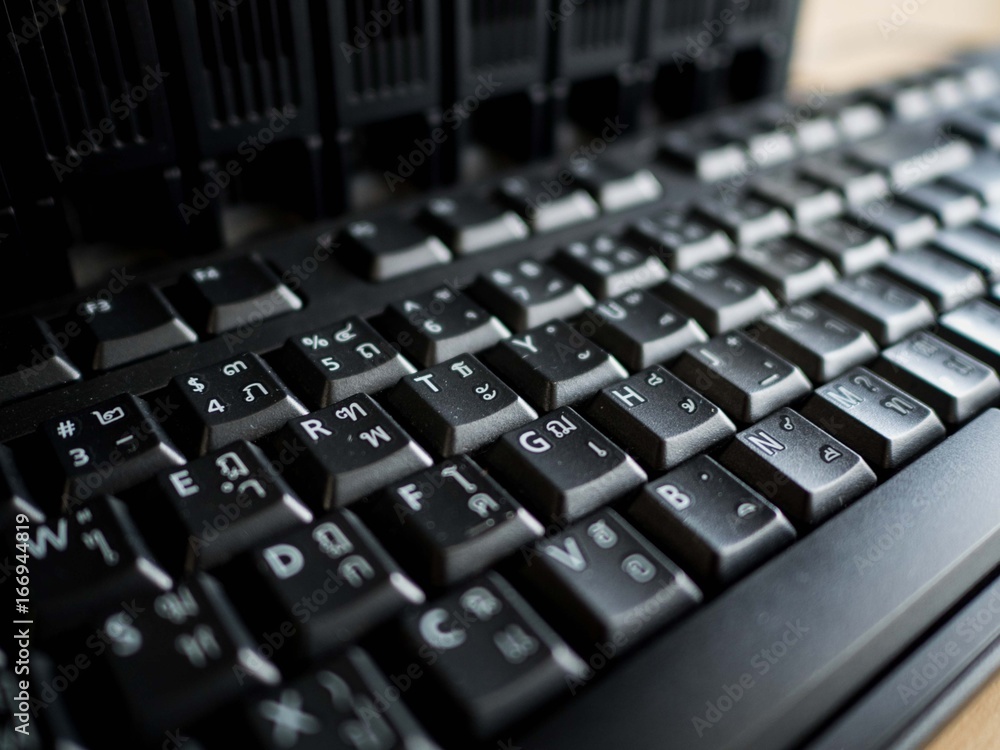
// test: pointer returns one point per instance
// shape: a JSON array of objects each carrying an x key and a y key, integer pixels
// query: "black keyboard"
[{"x": 685, "y": 447}]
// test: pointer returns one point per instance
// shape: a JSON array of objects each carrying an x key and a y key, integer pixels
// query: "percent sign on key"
[{"x": 315, "y": 342}]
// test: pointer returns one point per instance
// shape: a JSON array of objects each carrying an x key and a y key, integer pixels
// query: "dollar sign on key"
[{"x": 196, "y": 385}]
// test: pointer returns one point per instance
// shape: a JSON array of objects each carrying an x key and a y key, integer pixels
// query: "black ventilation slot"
[
  {"x": 502, "y": 33},
  {"x": 393, "y": 60}
]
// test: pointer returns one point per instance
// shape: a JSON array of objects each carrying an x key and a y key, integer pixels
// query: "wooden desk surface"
[{"x": 842, "y": 44}]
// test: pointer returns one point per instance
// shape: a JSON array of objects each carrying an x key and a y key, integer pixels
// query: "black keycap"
[
  {"x": 605, "y": 583},
  {"x": 483, "y": 641},
  {"x": 16, "y": 506},
  {"x": 331, "y": 582},
  {"x": 822, "y": 344},
  {"x": 344, "y": 451},
  {"x": 658, "y": 419},
  {"x": 340, "y": 703},
  {"x": 858, "y": 119},
  {"x": 946, "y": 282},
  {"x": 238, "y": 399},
  {"x": 639, "y": 329},
  {"x": 766, "y": 144},
  {"x": 858, "y": 184},
  {"x": 887, "y": 310},
  {"x": 811, "y": 128},
  {"x": 87, "y": 561},
  {"x": 528, "y": 294},
  {"x": 681, "y": 241},
  {"x": 952, "y": 383},
  {"x": 981, "y": 178},
  {"x": 549, "y": 203},
  {"x": 711, "y": 157},
  {"x": 787, "y": 268},
  {"x": 233, "y": 294},
  {"x": 109, "y": 447},
  {"x": 974, "y": 328},
  {"x": 458, "y": 406},
  {"x": 806, "y": 200},
  {"x": 468, "y": 224},
  {"x": 976, "y": 246},
  {"x": 807, "y": 473},
  {"x": 905, "y": 227},
  {"x": 31, "y": 359},
  {"x": 911, "y": 158},
  {"x": 389, "y": 247},
  {"x": 850, "y": 248},
  {"x": 608, "y": 268},
  {"x": 553, "y": 366},
  {"x": 137, "y": 322},
  {"x": 981, "y": 125},
  {"x": 439, "y": 325},
  {"x": 747, "y": 220},
  {"x": 218, "y": 505},
  {"x": 615, "y": 187},
  {"x": 562, "y": 467},
  {"x": 710, "y": 521},
  {"x": 339, "y": 361},
  {"x": 950, "y": 206},
  {"x": 172, "y": 661},
  {"x": 886, "y": 426},
  {"x": 450, "y": 522},
  {"x": 747, "y": 380},
  {"x": 718, "y": 298}
]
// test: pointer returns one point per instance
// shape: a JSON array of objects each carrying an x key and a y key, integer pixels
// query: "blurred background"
[{"x": 846, "y": 43}]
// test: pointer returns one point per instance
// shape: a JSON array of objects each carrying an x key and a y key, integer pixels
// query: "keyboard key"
[
  {"x": 858, "y": 184},
  {"x": 31, "y": 360},
  {"x": 905, "y": 227},
  {"x": 605, "y": 583},
  {"x": 950, "y": 206},
  {"x": 553, "y": 366},
  {"x": 710, "y": 521},
  {"x": 947, "y": 283},
  {"x": 468, "y": 224},
  {"x": 804, "y": 471},
  {"x": 911, "y": 158},
  {"x": 745, "y": 219},
  {"x": 85, "y": 562},
  {"x": 858, "y": 119},
  {"x": 340, "y": 361},
  {"x": 331, "y": 580},
  {"x": 658, "y": 419},
  {"x": 639, "y": 329},
  {"x": 439, "y": 325},
  {"x": 806, "y": 200},
  {"x": 766, "y": 144},
  {"x": 450, "y": 522},
  {"x": 615, "y": 187},
  {"x": 886, "y": 426},
  {"x": 136, "y": 323},
  {"x": 339, "y": 701},
  {"x": 718, "y": 298},
  {"x": 608, "y": 268},
  {"x": 974, "y": 328},
  {"x": 344, "y": 451},
  {"x": 239, "y": 399},
  {"x": 741, "y": 376},
  {"x": 215, "y": 507},
  {"x": 549, "y": 203},
  {"x": 389, "y": 247},
  {"x": 458, "y": 406},
  {"x": 786, "y": 268},
  {"x": 980, "y": 178},
  {"x": 169, "y": 663},
  {"x": 887, "y": 310},
  {"x": 486, "y": 641},
  {"x": 233, "y": 294},
  {"x": 16, "y": 505},
  {"x": 822, "y": 344},
  {"x": 952, "y": 383},
  {"x": 981, "y": 126},
  {"x": 850, "y": 248},
  {"x": 811, "y": 130},
  {"x": 109, "y": 447},
  {"x": 528, "y": 294},
  {"x": 711, "y": 157},
  {"x": 679, "y": 240},
  {"x": 976, "y": 246},
  {"x": 562, "y": 467}
]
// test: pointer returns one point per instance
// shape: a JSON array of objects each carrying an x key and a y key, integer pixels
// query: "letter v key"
[{"x": 569, "y": 555}]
